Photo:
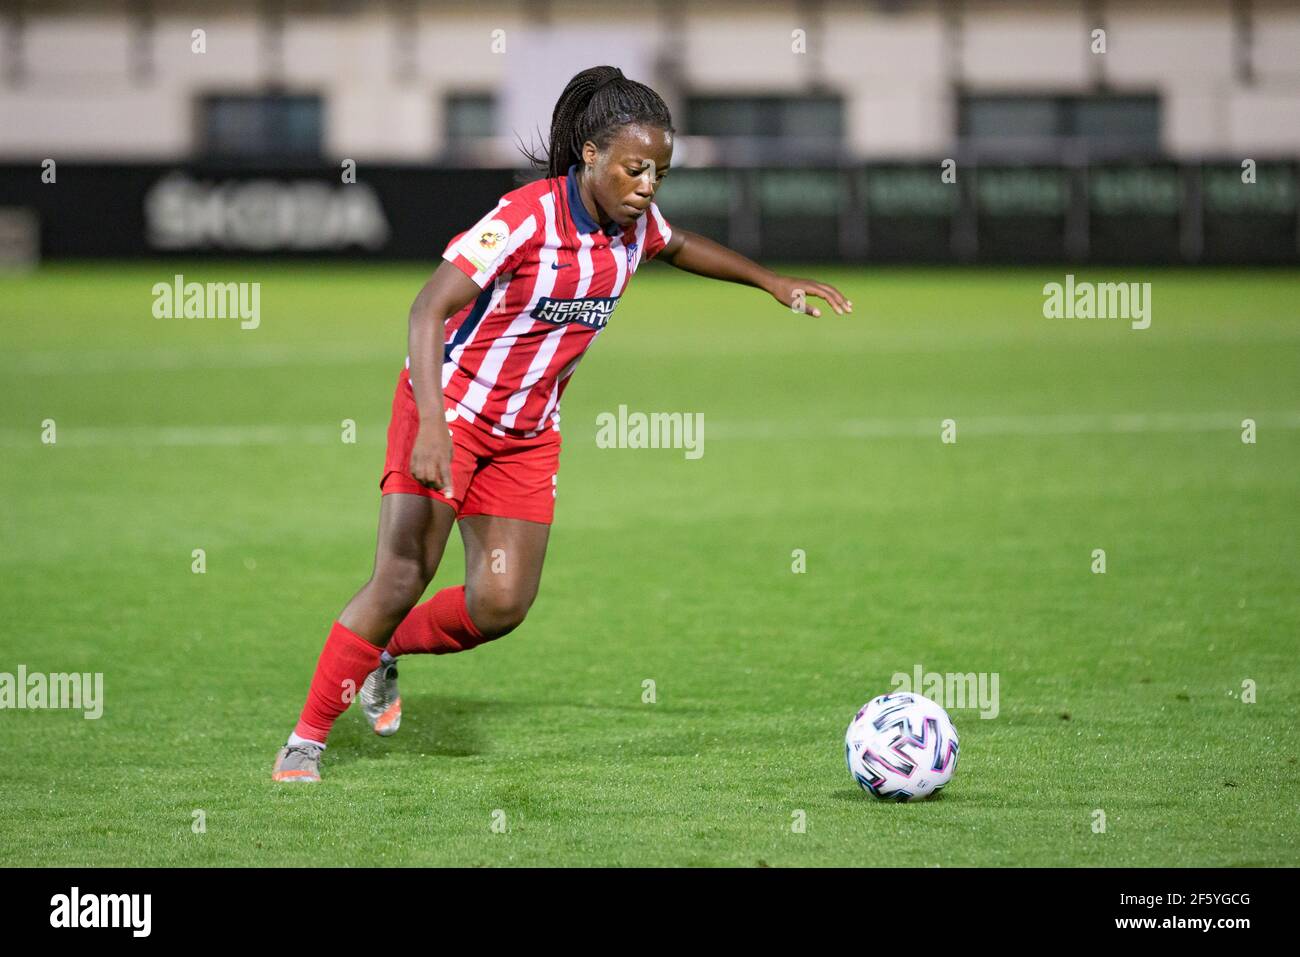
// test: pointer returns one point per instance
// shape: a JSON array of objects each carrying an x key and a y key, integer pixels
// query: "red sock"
[
  {"x": 440, "y": 626},
  {"x": 344, "y": 663}
]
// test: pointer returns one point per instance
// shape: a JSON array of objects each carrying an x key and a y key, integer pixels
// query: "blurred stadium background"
[{"x": 809, "y": 130}]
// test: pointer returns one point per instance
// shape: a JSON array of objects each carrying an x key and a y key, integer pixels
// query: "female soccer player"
[{"x": 494, "y": 336}]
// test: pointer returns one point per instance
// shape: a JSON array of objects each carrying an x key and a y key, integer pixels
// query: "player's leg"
[
  {"x": 503, "y": 569},
  {"x": 413, "y": 532},
  {"x": 505, "y": 523},
  {"x": 380, "y": 606},
  {"x": 503, "y": 566},
  {"x": 412, "y": 536}
]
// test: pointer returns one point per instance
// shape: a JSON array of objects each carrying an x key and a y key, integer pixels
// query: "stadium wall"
[{"x": 121, "y": 81}]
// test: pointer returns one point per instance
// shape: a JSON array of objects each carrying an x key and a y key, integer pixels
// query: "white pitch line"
[
  {"x": 975, "y": 426},
  {"x": 112, "y": 361},
  {"x": 972, "y": 427},
  {"x": 180, "y": 436}
]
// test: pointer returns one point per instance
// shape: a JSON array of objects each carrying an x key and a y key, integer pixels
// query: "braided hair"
[{"x": 594, "y": 106}]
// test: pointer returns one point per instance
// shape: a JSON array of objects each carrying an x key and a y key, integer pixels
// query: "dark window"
[
  {"x": 1132, "y": 118},
  {"x": 263, "y": 127},
  {"x": 470, "y": 116},
  {"x": 1055, "y": 126},
  {"x": 768, "y": 129}
]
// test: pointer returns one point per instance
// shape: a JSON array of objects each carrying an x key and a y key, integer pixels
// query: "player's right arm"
[
  {"x": 447, "y": 292},
  {"x": 496, "y": 244}
]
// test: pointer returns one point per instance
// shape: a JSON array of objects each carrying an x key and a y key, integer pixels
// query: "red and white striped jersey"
[{"x": 551, "y": 278}]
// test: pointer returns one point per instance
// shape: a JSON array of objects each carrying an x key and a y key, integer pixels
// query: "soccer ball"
[{"x": 901, "y": 747}]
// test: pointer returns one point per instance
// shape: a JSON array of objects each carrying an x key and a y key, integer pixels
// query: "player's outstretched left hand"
[{"x": 793, "y": 293}]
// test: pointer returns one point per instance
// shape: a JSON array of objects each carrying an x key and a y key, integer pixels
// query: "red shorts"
[{"x": 491, "y": 474}]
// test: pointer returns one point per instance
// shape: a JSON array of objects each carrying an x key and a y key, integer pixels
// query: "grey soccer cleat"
[
  {"x": 297, "y": 763},
  {"x": 380, "y": 702}
]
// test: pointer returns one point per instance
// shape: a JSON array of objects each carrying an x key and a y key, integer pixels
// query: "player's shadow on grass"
[{"x": 432, "y": 724}]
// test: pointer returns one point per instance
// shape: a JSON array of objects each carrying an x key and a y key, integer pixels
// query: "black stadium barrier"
[{"x": 1222, "y": 212}]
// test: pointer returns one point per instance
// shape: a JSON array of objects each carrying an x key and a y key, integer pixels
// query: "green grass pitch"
[{"x": 1119, "y": 692}]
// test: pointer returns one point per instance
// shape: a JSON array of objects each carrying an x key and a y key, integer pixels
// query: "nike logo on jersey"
[{"x": 560, "y": 265}]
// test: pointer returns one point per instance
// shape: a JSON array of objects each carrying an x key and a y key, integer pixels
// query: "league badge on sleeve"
[{"x": 484, "y": 244}]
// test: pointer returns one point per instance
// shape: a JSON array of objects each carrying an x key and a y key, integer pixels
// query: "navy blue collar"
[{"x": 581, "y": 218}]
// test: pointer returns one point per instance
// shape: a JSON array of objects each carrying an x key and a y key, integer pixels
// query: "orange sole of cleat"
[
  {"x": 389, "y": 718},
  {"x": 305, "y": 777}
]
